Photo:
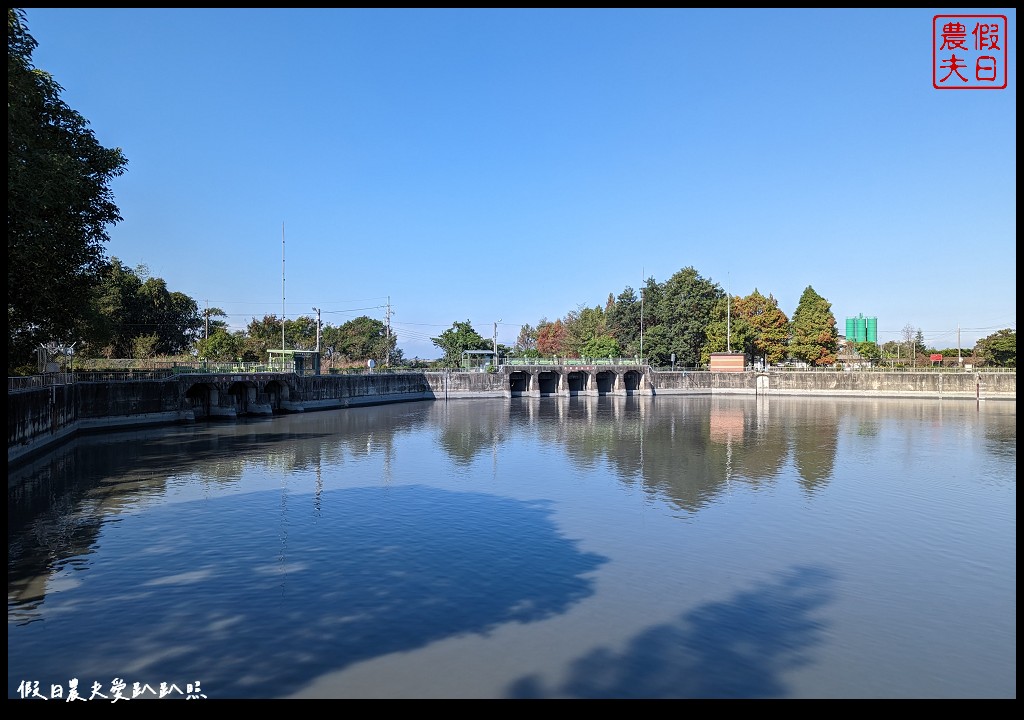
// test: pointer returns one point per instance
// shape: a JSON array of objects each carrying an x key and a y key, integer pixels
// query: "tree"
[
  {"x": 650, "y": 319},
  {"x": 172, "y": 317},
  {"x": 910, "y": 342},
  {"x": 116, "y": 303},
  {"x": 869, "y": 351},
  {"x": 211, "y": 321},
  {"x": 581, "y": 326},
  {"x": 359, "y": 340},
  {"x": 128, "y": 304},
  {"x": 59, "y": 204},
  {"x": 601, "y": 347},
  {"x": 145, "y": 346},
  {"x": 684, "y": 307},
  {"x": 551, "y": 338},
  {"x": 623, "y": 319},
  {"x": 769, "y": 325},
  {"x": 999, "y": 348},
  {"x": 222, "y": 346},
  {"x": 725, "y": 334},
  {"x": 919, "y": 343},
  {"x": 526, "y": 342},
  {"x": 815, "y": 337},
  {"x": 459, "y": 337}
]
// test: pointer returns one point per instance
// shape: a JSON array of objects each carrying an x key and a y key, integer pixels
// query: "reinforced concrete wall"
[
  {"x": 41, "y": 417},
  {"x": 982, "y": 385}
]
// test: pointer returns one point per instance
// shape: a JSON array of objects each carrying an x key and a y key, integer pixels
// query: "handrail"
[
  {"x": 31, "y": 382},
  {"x": 565, "y": 361}
]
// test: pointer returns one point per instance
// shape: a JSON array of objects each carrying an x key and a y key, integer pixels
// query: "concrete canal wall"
[
  {"x": 980, "y": 385},
  {"x": 39, "y": 418}
]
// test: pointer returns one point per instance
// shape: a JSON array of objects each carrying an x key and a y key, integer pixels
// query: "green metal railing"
[{"x": 564, "y": 361}]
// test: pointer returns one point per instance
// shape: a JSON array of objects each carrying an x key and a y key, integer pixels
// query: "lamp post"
[{"x": 317, "y": 311}]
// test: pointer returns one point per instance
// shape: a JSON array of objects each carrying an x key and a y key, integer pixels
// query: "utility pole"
[
  {"x": 728, "y": 322},
  {"x": 207, "y": 320},
  {"x": 642, "y": 271},
  {"x": 317, "y": 311},
  {"x": 282, "y": 291},
  {"x": 959, "y": 355},
  {"x": 387, "y": 347},
  {"x": 496, "y": 342}
]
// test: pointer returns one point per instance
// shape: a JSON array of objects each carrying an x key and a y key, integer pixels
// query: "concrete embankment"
[{"x": 41, "y": 417}]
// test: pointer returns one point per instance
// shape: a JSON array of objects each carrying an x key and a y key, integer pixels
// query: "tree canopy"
[
  {"x": 999, "y": 348},
  {"x": 815, "y": 338},
  {"x": 459, "y": 337},
  {"x": 683, "y": 309},
  {"x": 59, "y": 204},
  {"x": 769, "y": 325}
]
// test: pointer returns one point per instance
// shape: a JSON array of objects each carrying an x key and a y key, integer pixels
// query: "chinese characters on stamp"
[{"x": 969, "y": 52}]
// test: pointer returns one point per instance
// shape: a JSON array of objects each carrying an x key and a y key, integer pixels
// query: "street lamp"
[{"x": 317, "y": 311}]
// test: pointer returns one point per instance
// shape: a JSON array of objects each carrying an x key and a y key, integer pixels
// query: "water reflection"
[
  {"x": 738, "y": 648},
  {"x": 394, "y": 569},
  {"x": 256, "y": 556}
]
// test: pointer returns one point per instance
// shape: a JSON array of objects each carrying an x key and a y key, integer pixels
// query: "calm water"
[{"x": 606, "y": 547}]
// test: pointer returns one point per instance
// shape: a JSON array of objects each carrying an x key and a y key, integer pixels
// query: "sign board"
[{"x": 935, "y": 357}]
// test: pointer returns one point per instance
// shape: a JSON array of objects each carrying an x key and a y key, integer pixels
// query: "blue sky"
[{"x": 504, "y": 166}]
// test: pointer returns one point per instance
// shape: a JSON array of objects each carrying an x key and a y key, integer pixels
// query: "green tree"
[
  {"x": 869, "y": 351},
  {"x": 362, "y": 339},
  {"x": 128, "y": 304},
  {"x": 262, "y": 335},
  {"x": 624, "y": 320},
  {"x": 145, "y": 346},
  {"x": 581, "y": 326},
  {"x": 769, "y": 324},
  {"x": 116, "y": 306},
  {"x": 999, "y": 348},
  {"x": 301, "y": 333},
  {"x": 526, "y": 342},
  {"x": 648, "y": 336},
  {"x": 602, "y": 346},
  {"x": 172, "y": 317},
  {"x": 919, "y": 341},
  {"x": 59, "y": 204},
  {"x": 736, "y": 335},
  {"x": 223, "y": 346},
  {"x": 212, "y": 322},
  {"x": 815, "y": 337},
  {"x": 684, "y": 308},
  {"x": 459, "y": 337}
]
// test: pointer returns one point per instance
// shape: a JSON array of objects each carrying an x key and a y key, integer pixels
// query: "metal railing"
[
  {"x": 31, "y": 382},
  {"x": 562, "y": 361},
  {"x": 865, "y": 369},
  {"x": 201, "y": 367},
  {"x": 123, "y": 375},
  {"x": 887, "y": 369}
]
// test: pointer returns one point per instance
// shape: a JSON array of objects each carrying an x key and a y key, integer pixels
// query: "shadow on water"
[
  {"x": 253, "y": 605},
  {"x": 734, "y": 649}
]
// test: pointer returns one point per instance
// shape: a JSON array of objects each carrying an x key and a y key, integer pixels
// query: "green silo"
[{"x": 862, "y": 329}]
